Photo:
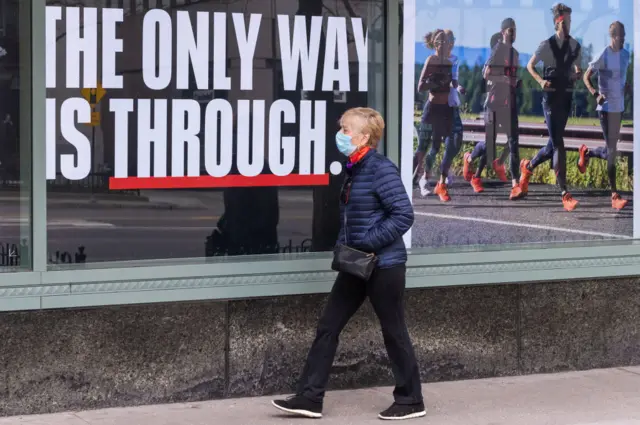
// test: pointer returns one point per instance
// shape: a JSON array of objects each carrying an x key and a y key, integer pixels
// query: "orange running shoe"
[
  {"x": 516, "y": 193},
  {"x": 476, "y": 184},
  {"x": 442, "y": 191},
  {"x": 617, "y": 202},
  {"x": 500, "y": 170},
  {"x": 525, "y": 176},
  {"x": 568, "y": 202},
  {"x": 467, "y": 173},
  {"x": 584, "y": 159}
]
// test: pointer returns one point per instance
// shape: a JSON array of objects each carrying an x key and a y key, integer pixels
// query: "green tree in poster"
[{"x": 628, "y": 97}]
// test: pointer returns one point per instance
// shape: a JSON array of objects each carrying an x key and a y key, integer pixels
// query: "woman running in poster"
[
  {"x": 611, "y": 68},
  {"x": 453, "y": 142},
  {"x": 436, "y": 77}
]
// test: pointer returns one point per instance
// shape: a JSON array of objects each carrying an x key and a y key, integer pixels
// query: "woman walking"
[{"x": 375, "y": 213}]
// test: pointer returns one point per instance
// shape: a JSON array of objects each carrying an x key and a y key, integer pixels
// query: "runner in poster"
[
  {"x": 611, "y": 68},
  {"x": 453, "y": 142},
  {"x": 436, "y": 77},
  {"x": 501, "y": 111},
  {"x": 492, "y": 218},
  {"x": 561, "y": 56}
]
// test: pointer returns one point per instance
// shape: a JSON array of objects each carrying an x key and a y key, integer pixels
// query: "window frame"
[{"x": 289, "y": 274}]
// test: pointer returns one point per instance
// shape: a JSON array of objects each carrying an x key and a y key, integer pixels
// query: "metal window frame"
[{"x": 288, "y": 274}]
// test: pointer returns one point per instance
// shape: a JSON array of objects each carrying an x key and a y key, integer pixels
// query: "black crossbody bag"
[{"x": 350, "y": 260}]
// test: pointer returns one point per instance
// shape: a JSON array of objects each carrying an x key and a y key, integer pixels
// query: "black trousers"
[
  {"x": 385, "y": 289},
  {"x": 503, "y": 119},
  {"x": 611, "y": 123},
  {"x": 556, "y": 114}
]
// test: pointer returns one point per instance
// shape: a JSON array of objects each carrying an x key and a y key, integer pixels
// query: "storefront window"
[
  {"x": 561, "y": 167},
  {"x": 202, "y": 128},
  {"x": 15, "y": 141}
]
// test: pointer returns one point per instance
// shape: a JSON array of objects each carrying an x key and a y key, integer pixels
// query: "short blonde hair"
[{"x": 370, "y": 122}]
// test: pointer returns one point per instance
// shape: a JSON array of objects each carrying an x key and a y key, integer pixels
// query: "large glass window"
[
  {"x": 503, "y": 154},
  {"x": 202, "y": 128},
  {"x": 15, "y": 140}
]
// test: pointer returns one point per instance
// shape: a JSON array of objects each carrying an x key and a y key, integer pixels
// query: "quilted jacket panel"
[{"x": 378, "y": 211}]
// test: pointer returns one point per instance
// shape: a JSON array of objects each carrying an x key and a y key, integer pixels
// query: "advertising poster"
[
  {"x": 562, "y": 165},
  {"x": 202, "y": 129}
]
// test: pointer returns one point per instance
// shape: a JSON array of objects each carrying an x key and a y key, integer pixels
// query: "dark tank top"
[{"x": 442, "y": 77}]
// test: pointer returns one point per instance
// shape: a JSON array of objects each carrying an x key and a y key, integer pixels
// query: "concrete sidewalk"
[{"x": 597, "y": 397}]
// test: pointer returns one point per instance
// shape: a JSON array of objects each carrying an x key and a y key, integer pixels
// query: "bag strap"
[{"x": 345, "y": 225}]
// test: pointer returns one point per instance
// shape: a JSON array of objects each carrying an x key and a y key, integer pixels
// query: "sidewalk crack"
[
  {"x": 629, "y": 371},
  {"x": 82, "y": 419}
]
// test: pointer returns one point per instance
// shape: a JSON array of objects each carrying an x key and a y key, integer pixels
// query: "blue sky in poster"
[{"x": 474, "y": 21}]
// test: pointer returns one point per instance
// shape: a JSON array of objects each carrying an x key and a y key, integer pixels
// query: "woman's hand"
[
  {"x": 601, "y": 99},
  {"x": 546, "y": 85}
]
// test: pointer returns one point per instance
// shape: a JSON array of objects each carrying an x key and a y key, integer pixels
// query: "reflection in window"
[{"x": 15, "y": 152}]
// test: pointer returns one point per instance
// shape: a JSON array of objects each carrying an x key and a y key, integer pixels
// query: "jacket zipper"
[{"x": 345, "y": 225}]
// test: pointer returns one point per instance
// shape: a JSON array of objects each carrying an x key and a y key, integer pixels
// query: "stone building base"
[{"x": 119, "y": 356}]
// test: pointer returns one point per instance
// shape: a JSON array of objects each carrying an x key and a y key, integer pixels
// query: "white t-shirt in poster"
[
  {"x": 611, "y": 68},
  {"x": 454, "y": 98}
]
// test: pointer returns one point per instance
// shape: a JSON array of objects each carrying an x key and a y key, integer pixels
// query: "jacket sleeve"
[{"x": 389, "y": 188}]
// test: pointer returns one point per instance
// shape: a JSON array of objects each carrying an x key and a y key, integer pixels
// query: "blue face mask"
[{"x": 343, "y": 142}]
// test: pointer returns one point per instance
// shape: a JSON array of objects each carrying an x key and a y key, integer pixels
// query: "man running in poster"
[
  {"x": 611, "y": 68},
  {"x": 480, "y": 149},
  {"x": 561, "y": 57},
  {"x": 501, "y": 111}
]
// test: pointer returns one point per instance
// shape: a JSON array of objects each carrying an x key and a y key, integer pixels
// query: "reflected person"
[
  {"x": 375, "y": 212},
  {"x": 249, "y": 223}
]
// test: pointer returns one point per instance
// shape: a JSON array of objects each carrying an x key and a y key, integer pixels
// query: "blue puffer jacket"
[{"x": 378, "y": 211}]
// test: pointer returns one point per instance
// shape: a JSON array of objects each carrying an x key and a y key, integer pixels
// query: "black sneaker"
[
  {"x": 299, "y": 405},
  {"x": 398, "y": 412}
]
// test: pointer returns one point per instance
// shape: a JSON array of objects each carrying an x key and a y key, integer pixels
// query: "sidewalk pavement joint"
[{"x": 632, "y": 370}]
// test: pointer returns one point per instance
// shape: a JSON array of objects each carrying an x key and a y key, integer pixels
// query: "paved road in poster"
[
  {"x": 491, "y": 218},
  {"x": 113, "y": 234}
]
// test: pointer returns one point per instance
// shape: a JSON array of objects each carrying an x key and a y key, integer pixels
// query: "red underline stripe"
[{"x": 127, "y": 183}]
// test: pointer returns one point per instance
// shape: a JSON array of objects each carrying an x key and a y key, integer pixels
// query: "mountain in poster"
[{"x": 469, "y": 55}]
